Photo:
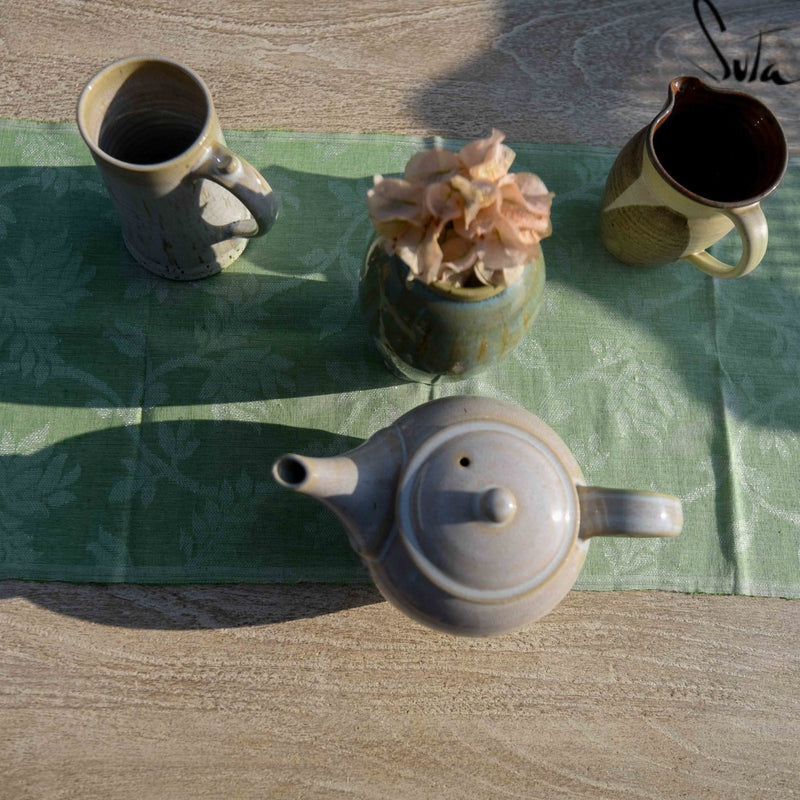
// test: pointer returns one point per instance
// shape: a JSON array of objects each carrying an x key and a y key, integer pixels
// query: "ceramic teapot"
[{"x": 471, "y": 515}]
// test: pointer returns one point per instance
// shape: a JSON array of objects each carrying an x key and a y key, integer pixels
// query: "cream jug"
[{"x": 700, "y": 168}]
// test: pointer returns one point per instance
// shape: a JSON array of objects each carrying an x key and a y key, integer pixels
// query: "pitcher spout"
[
  {"x": 359, "y": 487},
  {"x": 686, "y": 90}
]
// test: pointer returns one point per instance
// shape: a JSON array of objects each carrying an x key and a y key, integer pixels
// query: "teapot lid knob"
[{"x": 496, "y": 504}]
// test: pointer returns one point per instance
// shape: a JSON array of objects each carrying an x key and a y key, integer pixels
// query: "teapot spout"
[
  {"x": 318, "y": 477},
  {"x": 359, "y": 487}
]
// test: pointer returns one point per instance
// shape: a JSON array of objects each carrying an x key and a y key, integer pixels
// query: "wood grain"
[
  {"x": 553, "y": 71},
  {"x": 325, "y": 691},
  {"x": 259, "y": 691}
]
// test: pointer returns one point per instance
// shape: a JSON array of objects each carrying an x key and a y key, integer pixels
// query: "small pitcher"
[{"x": 697, "y": 170}]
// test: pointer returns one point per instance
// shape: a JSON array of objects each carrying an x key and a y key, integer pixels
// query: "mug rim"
[
  {"x": 679, "y": 187},
  {"x": 92, "y": 142}
]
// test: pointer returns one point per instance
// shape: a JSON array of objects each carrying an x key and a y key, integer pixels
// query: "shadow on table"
[
  {"x": 571, "y": 71},
  {"x": 184, "y": 502},
  {"x": 192, "y": 607},
  {"x": 82, "y": 324},
  {"x": 546, "y": 75}
]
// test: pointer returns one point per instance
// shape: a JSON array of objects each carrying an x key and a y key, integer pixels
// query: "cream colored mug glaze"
[
  {"x": 699, "y": 169},
  {"x": 187, "y": 204}
]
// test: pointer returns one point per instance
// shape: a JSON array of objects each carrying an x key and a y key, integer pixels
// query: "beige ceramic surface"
[
  {"x": 186, "y": 206},
  {"x": 326, "y": 691},
  {"x": 648, "y": 217}
]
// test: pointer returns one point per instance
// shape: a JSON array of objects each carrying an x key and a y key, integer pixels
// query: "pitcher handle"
[
  {"x": 619, "y": 512},
  {"x": 246, "y": 183},
  {"x": 752, "y": 227}
]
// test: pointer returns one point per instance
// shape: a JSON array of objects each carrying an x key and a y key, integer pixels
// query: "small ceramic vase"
[{"x": 438, "y": 332}]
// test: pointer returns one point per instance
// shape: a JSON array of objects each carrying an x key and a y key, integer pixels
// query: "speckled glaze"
[
  {"x": 471, "y": 515},
  {"x": 652, "y": 211},
  {"x": 440, "y": 333},
  {"x": 187, "y": 204}
]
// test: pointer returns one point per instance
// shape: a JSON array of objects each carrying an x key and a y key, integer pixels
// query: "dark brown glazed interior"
[{"x": 722, "y": 147}]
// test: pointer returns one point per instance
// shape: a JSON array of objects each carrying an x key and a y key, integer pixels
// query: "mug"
[
  {"x": 700, "y": 168},
  {"x": 187, "y": 204}
]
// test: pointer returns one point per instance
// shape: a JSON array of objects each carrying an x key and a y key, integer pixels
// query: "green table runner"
[{"x": 139, "y": 418}]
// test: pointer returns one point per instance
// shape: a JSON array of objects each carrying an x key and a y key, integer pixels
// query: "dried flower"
[{"x": 461, "y": 217}]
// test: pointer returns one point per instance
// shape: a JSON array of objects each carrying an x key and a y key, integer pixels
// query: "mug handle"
[
  {"x": 752, "y": 227},
  {"x": 619, "y": 512},
  {"x": 246, "y": 183}
]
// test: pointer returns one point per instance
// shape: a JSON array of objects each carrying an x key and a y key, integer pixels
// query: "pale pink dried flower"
[{"x": 461, "y": 217}]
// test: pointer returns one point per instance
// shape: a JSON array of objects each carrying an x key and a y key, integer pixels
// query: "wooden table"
[{"x": 326, "y": 691}]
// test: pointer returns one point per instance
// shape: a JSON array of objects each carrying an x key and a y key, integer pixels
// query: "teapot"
[{"x": 471, "y": 514}]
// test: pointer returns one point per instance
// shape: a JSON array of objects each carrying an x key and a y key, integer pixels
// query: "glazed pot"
[
  {"x": 439, "y": 332},
  {"x": 471, "y": 515},
  {"x": 699, "y": 169}
]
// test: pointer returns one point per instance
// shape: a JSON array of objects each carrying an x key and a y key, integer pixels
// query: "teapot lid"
[{"x": 487, "y": 510}]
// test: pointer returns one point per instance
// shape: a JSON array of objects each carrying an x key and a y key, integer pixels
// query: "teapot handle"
[{"x": 619, "y": 512}]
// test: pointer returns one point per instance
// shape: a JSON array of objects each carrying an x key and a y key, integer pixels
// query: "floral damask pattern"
[{"x": 139, "y": 418}]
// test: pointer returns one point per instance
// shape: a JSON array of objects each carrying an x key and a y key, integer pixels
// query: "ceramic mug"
[
  {"x": 699, "y": 169},
  {"x": 187, "y": 204}
]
